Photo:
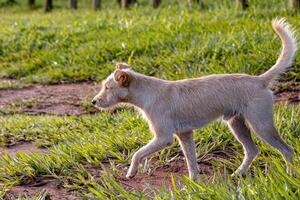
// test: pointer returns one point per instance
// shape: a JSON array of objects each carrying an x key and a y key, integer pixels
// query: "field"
[{"x": 54, "y": 144}]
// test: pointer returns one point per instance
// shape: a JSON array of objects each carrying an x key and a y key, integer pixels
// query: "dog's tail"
[{"x": 288, "y": 50}]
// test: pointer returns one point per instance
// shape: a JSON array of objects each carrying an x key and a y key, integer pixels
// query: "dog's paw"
[
  {"x": 131, "y": 171},
  {"x": 237, "y": 173},
  {"x": 292, "y": 172},
  {"x": 195, "y": 177},
  {"x": 129, "y": 176}
]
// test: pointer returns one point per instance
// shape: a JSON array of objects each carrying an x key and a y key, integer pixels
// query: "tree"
[
  {"x": 243, "y": 3},
  {"x": 294, "y": 4},
  {"x": 96, "y": 4},
  {"x": 31, "y": 3},
  {"x": 73, "y": 4},
  {"x": 48, "y": 5},
  {"x": 126, "y": 3},
  {"x": 156, "y": 3}
]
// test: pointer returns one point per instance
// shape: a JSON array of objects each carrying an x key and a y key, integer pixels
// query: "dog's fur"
[{"x": 179, "y": 107}]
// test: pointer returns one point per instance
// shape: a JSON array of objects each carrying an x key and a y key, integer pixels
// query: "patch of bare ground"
[
  {"x": 65, "y": 99},
  {"x": 288, "y": 92},
  {"x": 161, "y": 176},
  {"x": 74, "y": 99},
  {"x": 157, "y": 174},
  {"x": 50, "y": 190},
  {"x": 25, "y": 147}
]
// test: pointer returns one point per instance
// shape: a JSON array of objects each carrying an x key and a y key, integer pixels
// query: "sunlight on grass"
[{"x": 76, "y": 142}]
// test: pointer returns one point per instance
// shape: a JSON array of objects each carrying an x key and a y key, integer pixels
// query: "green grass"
[
  {"x": 170, "y": 42},
  {"x": 75, "y": 143}
]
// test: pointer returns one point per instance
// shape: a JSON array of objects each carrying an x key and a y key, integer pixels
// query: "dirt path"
[
  {"x": 25, "y": 147},
  {"x": 50, "y": 190},
  {"x": 68, "y": 99},
  {"x": 74, "y": 99}
]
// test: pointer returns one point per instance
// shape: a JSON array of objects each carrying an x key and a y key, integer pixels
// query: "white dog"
[{"x": 179, "y": 107}]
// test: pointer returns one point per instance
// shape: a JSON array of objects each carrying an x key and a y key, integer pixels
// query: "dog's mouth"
[{"x": 105, "y": 107}]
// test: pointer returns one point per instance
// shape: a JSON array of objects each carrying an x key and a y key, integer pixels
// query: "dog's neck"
[{"x": 144, "y": 90}]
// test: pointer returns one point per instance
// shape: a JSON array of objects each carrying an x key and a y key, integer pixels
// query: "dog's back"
[{"x": 195, "y": 102}]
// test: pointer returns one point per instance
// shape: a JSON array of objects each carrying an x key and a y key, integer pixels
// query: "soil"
[
  {"x": 25, "y": 147},
  {"x": 51, "y": 190},
  {"x": 292, "y": 97},
  {"x": 158, "y": 174},
  {"x": 161, "y": 176},
  {"x": 65, "y": 99},
  {"x": 74, "y": 99}
]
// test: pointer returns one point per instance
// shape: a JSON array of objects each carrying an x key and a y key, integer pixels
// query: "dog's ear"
[
  {"x": 122, "y": 78},
  {"x": 122, "y": 66}
]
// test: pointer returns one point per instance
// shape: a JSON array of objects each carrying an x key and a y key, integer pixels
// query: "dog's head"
[{"x": 114, "y": 89}]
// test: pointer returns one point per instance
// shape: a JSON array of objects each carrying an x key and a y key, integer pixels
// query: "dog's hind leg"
[
  {"x": 260, "y": 118},
  {"x": 187, "y": 144},
  {"x": 242, "y": 133}
]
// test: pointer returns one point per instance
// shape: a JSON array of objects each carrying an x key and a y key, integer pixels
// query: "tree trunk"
[
  {"x": 294, "y": 4},
  {"x": 73, "y": 4},
  {"x": 31, "y": 3},
  {"x": 125, "y": 3},
  {"x": 96, "y": 4},
  {"x": 244, "y": 4},
  {"x": 156, "y": 3},
  {"x": 48, "y": 5}
]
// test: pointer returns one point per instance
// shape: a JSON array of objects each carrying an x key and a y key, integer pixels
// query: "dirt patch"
[
  {"x": 25, "y": 147},
  {"x": 290, "y": 97},
  {"x": 161, "y": 176},
  {"x": 156, "y": 174},
  {"x": 287, "y": 92},
  {"x": 50, "y": 190},
  {"x": 74, "y": 99},
  {"x": 65, "y": 99}
]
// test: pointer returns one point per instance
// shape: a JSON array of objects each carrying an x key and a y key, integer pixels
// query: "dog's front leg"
[
  {"x": 187, "y": 144},
  {"x": 153, "y": 146}
]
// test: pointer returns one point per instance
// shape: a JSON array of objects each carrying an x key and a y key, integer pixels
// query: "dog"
[{"x": 179, "y": 107}]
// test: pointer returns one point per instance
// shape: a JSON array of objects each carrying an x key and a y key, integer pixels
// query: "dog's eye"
[{"x": 106, "y": 88}]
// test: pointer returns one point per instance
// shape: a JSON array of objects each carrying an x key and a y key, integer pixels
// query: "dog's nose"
[{"x": 94, "y": 101}]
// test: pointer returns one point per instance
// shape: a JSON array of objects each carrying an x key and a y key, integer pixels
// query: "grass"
[
  {"x": 75, "y": 143},
  {"x": 170, "y": 42}
]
